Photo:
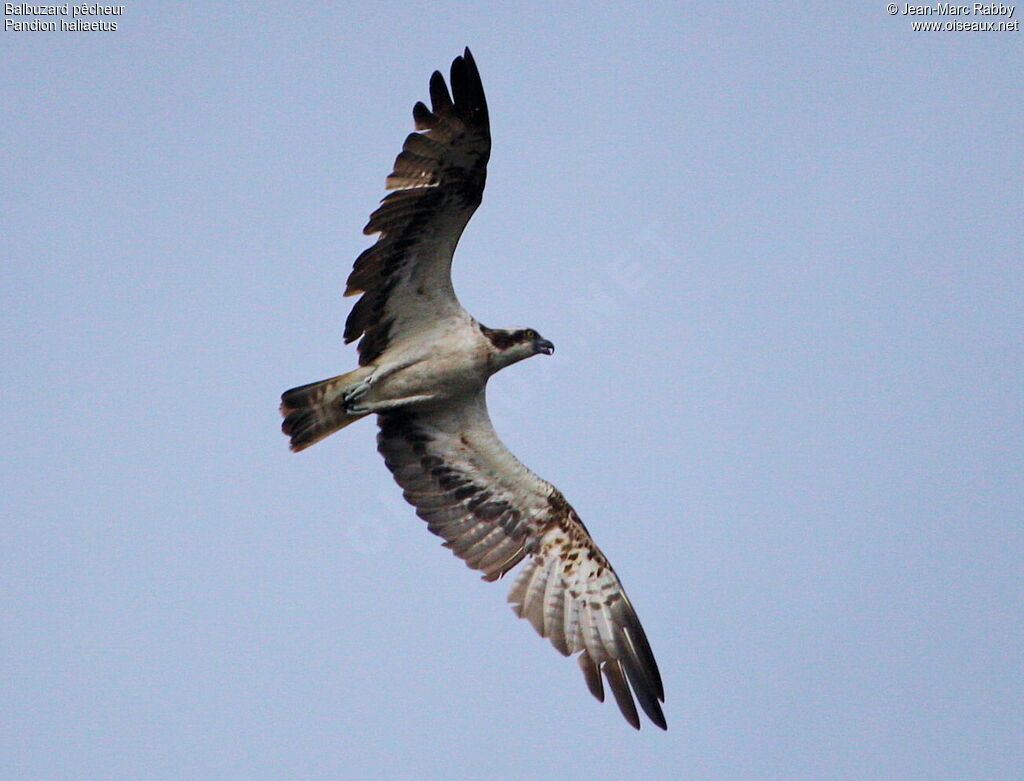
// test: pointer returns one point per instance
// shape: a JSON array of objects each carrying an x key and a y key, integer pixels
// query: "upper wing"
[
  {"x": 405, "y": 278},
  {"x": 492, "y": 511}
]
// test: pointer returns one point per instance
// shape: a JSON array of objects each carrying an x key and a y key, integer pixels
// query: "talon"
[{"x": 355, "y": 393}]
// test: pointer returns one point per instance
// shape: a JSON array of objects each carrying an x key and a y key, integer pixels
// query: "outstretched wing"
[
  {"x": 492, "y": 512},
  {"x": 405, "y": 278}
]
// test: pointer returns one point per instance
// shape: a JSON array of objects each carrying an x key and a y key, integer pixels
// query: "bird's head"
[{"x": 511, "y": 346}]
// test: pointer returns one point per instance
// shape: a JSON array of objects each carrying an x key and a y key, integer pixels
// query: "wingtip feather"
[
  {"x": 620, "y": 689},
  {"x": 592, "y": 675}
]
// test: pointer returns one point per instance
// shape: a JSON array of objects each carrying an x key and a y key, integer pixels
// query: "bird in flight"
[{"x": 424, "y": 362}]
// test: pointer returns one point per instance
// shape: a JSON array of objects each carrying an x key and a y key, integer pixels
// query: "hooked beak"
[{"x": 543, "y": 346}]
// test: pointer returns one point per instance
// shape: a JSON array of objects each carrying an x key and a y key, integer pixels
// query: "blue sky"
[{"x": 779, "y": 250}]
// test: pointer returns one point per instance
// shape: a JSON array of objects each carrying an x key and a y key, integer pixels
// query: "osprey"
[{"x": 424, "y": 362}]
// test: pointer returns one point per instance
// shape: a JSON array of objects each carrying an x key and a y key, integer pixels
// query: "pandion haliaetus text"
[{"x": 424, "y": 362}]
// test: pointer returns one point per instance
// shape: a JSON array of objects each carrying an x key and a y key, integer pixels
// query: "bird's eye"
[{"x": 531, "y": 334}]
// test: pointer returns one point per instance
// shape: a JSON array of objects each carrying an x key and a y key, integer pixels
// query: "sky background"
[{"x": 779, "y": 249}]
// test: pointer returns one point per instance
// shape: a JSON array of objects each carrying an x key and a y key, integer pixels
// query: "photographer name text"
[{"x": 948, "y": 9}]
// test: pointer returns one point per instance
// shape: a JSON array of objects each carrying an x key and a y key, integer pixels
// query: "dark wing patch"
[
  {"x": 453, "y": 488},
  {"x": 438, "y": 178},
  {"x": 493, "y": 512}
]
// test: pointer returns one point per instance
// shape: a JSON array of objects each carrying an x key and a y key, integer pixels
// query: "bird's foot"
[
  {"x": 353, "y": 393},
  {"x": 389, "y": 405}
]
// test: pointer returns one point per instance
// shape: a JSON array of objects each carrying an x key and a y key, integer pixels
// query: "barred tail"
[{"x": 312, "y": 412}]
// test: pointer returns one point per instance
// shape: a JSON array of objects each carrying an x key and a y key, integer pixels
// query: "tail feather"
[{"x": 312, "y": 412}]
